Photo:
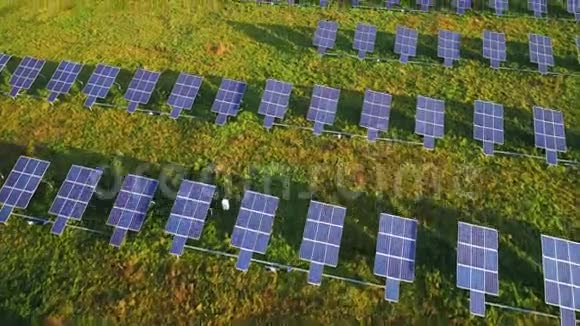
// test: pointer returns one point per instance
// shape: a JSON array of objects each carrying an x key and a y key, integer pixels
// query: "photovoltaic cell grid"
[
  {"x": 4, "y": 58},
  {"x": 462, "y": 5},
  {"x": 425, "y": 4},
  {"x": 323, "y": 107},
  {"x": 100, "y": 83},
  {"x": 275, "y": 100},
  {"x": 500, "y": 6},
  {"x": 63, "y": 78},
  {"x": 228, "y": 100},
  {"x": 406, "y": 43},
  {"x": 448, "y": 47},
  {"x": 131, "y": 206},
  {"x": 430, "y": 120},
  {"x": 74, "y": 196},
  {"x": 494, "y": 48},
  {"x": 477, "y": 264},
  {"x": 188, "y": 214},
  {"x": 541, "y": 52},
  {"x": 140, "y": 88},
  {"x": 322, "y": 235},
  {"x": 253, "y": 226},
  {"x": 375, "y": 113},
  {"x": 184, "y": 93},
  {"x": 561, "y": 266},
  {"x": 488, "y": 124},
  {"x": 549, "y": 132},
  {"x": 25, "y": 75},
  {"x": 364, "y": 39},
  {"x": 21, "y": 184},
  {"x": 395, "y": 254},
  {"x": 325, "y": 35},
  {"x": 539, "y": 7}
]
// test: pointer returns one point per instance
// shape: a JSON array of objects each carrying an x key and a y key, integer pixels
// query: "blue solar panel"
[
  {"x": 573, "y": 7},
  {"x": 322, "y": 235},
  {"x": 549, "y": 132},
  {"x": 130, "y": 207},
  {"x": 184, "y": 93},
  {"x": 477, "y": 264},
  {"x": 100, "y": 83},
  {"x": 395, "y": 253},
  {"x": 228, "y": 100},
  {"x": 430, "y": 120},
  {"x": 425, "y": 4},
  {"x": 578, "y": 47},
  {"x": 25, "y": 75},
  {"x": 448, "y": 47},
  {"x": 390, "y": 3},
  {"x": 323, "y": 3},
  {"x": 488, "y": 124},
  {"x": 375, "y": 113},
  {"x": 364, "y": 39},
  {"x": 253, "y": 226},
  {"x": 325, "y": 35},
  {"x": 4, "y": 58},
  {"x": 323, "y": 107},
  {"x": 74, "y": 196},
  {"x": 462, "y": 5},
  {"x": 63, "y": 78},
  {"x": 494, "y": 48},
  {"x": 561, "y": 266},
  {"x": 21, "y": 184},
  {"x": 541, "y": 52},
  {"x": 539, "y": 7},
  {"x": 275, "y": 101},
  {"x": 141, "y": 88},
  {"x": 406, "y": 43},
  {"x": 500, "y": 6},
  {"x": 189, "y": 213}
]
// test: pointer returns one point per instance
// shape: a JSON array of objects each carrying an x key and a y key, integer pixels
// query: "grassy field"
[{"x": 79, "y": 278}]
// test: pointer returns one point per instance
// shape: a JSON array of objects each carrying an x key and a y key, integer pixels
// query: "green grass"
[{"x": 80, "y": 278}]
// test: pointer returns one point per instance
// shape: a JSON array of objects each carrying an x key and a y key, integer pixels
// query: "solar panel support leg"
[{"x": 5, "y": 212}]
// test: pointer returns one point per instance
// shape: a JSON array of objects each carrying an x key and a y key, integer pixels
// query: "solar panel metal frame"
[
  {"x": 228, "y": 100},
  {"x": 500, "y": 6},
  {"x": 448, "y": 47},
  {"x": 323, "y": 107},
  {"x": 462, "y": 5},
  {"x": 488, "y": 124},
  {"x": 325, "y": 35},
  {"x": 376, "y": 113},
  {"x": 4, "y": 58},
  {"x": 63, "y": 78},
  {"x": 275, "y": 101},
  {"x": 430, "y": 120},
  {"x": 184, "y": 93},
  {"x": 25, "y": 74},
  {"x": 494, "y": 48},
  {"x": 364, "y": 39},
  {"x": 549, "y": 132},
  {"x": 539, "y": 7},
  {"x": 406, "y": 43},
  {"x": 100, "y": 83},
  {"x": 541, "y": 51},
  {"x": 141, "y": 88}
]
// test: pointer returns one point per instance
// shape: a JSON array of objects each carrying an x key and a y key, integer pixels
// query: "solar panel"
[
  {"x": 477, "y": 264},
  {"x": 561, "y": 266},
  {"x": 573, "y": 7},
  {"x": 462, "y": 5},
  {"x": 375, "y": 113},
  {"x": 488, "y": 124},
  {"x": 395, "y": 254},
  {"x": 100, "y": 83},
  {"x": 549, "y": 132},
  {"x": 4, "y": 58},
  {"x": 74, "y": 196},
  {"x": 494, "y": 48},
  {"x": 253, "y": 226},
  {"x": 500, "y": 6},
  {"x": 448, "y": 47},
  {"x": 390, "y": 3},
  {"x": 188, "y": 214},
  {"x": 354, "y": 3},
  {"x": 323, "y": 3},
  {"x": 364, "y": 39},
  {"x": 275, "y": 101},
  {"x": 228, "y": 100},
  {"x": 130, "y": 207},
  {"x": 63, "y": 78},
  {"x": 321, "y": 240},
  {"x": 140, "y": 88},
  {"x": 425, "y": 4},
  {"x": 430, "y": 120},
  {"x": 541, "y": 52},
  {"x": 539, "y": 7},
  {"x": 21, "y": 184},
  {"x": 325, "y": 35},
  {"x": 406, "y": 43},
  {"x": 323, "y": 107},
  {"x": 25, "y": 75},
  {"x": 577, "y": 47},
  {"x": 184, "y": 93}
]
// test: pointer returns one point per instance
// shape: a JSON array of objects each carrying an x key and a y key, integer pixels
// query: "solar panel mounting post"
[
  {"x": 315, "y": 274},
  {"x": 392, "y": 288},
  {"x": 5, "y": 213}
]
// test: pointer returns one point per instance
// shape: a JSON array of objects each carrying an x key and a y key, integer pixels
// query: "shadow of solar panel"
[
  {"x": 448, "y": 46},
  {"x": 73, "y": 196},
  {"x": 21, "y": 185},
  {"x": 477, "y": 264},
  {"x": 549, "y": 132},
  {"x": 539, "y": 7},
  {"x": 573, "y": 7},
  {"x": 494, "y": 48},
  {"x": 140, "y": 88},
  {"x": 323, "y": 107},
  {"x": 395, "y": 252},
  {"x": 488, "y": 124},
  {"x": 25, "y": 75},
  {"x": 189, "y": 213},
  {"x": 375, "y": 113},
  {"x": 364, "y": 39},
  {"x": 500, "y": 6},
  {"x": 130, "y": 207},
  {"x": 462, "y": 5},
  {"x": 541, "y": 52},
  {"x": 228, "y": 100},
  {"x": 430, "y": 120},
  {"x": 99, "y": 83},
  {"x": 4, "y": 58},
  {"x": 425, "y": 4},
  {"x": 184, "y": 93},
  {"x": 63, "y": 78},
  {"x": 321, "y": 240},
  {"x": 253, "y": 226},
  {"x": 406, "y": 43},
  {"x": 325, "y": 35},
  {"x": 275, "y": 100}
]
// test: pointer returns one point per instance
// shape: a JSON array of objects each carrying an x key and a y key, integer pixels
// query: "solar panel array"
[
  {"x": 494, "y": 48},
  {"x": 4, "y": 58},
  {"x": 406, "y": 43},
  {"x": 228, "y": 100},
  {"x": 63, "y": 78},
  {"x": 323, "y": 106},
  {"x": 364, "y": 39},
  {"x": 325, "y": 35},
  {"x": 500, "y": 6},
  {"x": 100, "y": 83},
  {"x": 549, "y": 132},
  {"x": 430, "y": 120},
  {"x": 462, "y": 5},
  {"x": 448, "y": 47},
  {"x": 25, "y": 75},
  {"x": 73, "y": 196},
  {"x": 141, "y": 88},
  {"x": 488, "y": 124},
  {"x": 375, "y": 113},
  {"x": 539, "y": 7},
  {"x": 541, "y": 52},
  {"x": 275, "y": 100},
  {"x": 184, "y": 93}
]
